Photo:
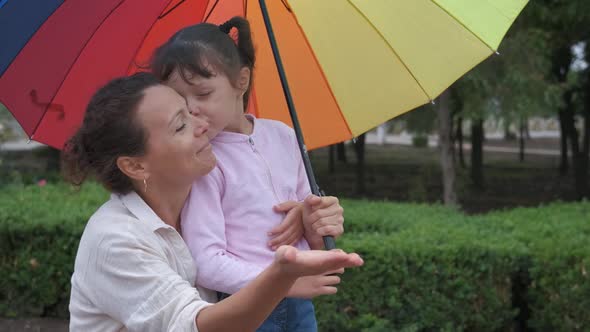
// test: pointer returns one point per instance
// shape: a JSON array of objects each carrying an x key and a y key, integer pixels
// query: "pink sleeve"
[{"x": 203, "y": 229}]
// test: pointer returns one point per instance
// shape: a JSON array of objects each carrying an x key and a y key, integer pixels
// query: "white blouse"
[{"x": 133, "y": 272}]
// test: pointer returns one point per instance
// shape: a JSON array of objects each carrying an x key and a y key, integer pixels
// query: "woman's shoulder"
[
  {"x": 113, "y": 216},
  {"x": 112, "y": 222}
]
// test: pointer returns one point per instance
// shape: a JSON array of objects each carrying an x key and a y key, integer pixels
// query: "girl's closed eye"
[
  {"x": 181, "y": 127},
  {"x": 203, "y": 93}
]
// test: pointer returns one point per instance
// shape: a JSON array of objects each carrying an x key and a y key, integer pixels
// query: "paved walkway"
[
  {"x": 405, "y": 139},
  {"x": 21, "y": 145},
  {"x": 34, "y": 325}
]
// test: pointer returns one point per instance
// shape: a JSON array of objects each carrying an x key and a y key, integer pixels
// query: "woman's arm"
[
  {"x": 247, "y": 309},
  {"x": 125, "y": 275}
]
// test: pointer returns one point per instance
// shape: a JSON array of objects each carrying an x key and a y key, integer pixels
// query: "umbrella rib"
[
  {"x": 498, "y": 9},
  {"x": 211, "y": 11},
  {"x": 171, "y": 9},
  {"x": 70, "y": 68},
  {"x": 390, "y": 47},
  {"x": 463, "y": 25},
  {"x": 145, "y": 66},
  {"x": 315, "y": 59}
]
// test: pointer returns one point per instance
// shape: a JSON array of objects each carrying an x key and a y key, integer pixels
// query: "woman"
[{"x": 133, "y": 271}]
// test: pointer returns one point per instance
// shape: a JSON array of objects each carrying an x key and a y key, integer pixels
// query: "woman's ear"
[
  {"x": 133, "y": 167},
  {"x": 244, "y": 79}
]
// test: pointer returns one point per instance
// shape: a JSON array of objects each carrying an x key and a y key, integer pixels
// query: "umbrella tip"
[
  {"x": 497, "y": 53},
  {"x": 432, "y": 101}
]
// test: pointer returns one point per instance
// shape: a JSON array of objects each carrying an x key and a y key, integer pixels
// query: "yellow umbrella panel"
[
  {"x": 354, "y": 64},
  {"x": 382, "y": 58}
]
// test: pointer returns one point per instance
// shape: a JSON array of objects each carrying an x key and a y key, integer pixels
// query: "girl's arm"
[{"x": 203, "y": 230}]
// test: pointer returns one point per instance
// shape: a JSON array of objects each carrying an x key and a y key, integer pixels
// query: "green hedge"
[
  {"x": 427, "y": 267},
  {"x": 40, "y": 228},
  {"x": 427, "y": 284},
  {"x": 558, "y": 242},
  {"x": 432, "y": 268}
]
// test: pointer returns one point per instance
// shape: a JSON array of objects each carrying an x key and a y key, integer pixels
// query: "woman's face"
[
  {"x": 178, "y": 150},
  {"x": 214, "y": 99}
]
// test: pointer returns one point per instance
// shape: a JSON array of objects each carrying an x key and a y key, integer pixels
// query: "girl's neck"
[{"x": 242, "y": 126}]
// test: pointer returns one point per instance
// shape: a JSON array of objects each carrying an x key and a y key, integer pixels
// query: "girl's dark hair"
[
  {"x": 109, "y": 130},
  {"x": 192, "y": 48}
]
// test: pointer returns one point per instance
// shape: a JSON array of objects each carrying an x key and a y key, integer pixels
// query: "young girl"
[{"x": 258, "y": 166}]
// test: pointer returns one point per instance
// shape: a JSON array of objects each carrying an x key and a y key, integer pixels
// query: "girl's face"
[
  {"x": 214, "y": 99},
  {"x": 178, "y": 149}
]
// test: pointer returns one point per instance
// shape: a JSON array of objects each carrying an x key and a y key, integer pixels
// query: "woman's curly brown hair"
[{"x": 109, "y": 130}]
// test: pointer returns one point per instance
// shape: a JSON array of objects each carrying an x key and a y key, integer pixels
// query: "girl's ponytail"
[{"x": 245, "y": 47}]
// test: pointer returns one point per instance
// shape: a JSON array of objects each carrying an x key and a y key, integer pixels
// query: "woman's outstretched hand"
[
  {"x": 298, "y": 263},
  {"x": 247, "y": 309}
]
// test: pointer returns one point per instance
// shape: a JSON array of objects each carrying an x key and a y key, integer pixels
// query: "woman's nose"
[{"x": 201, "y": 126}]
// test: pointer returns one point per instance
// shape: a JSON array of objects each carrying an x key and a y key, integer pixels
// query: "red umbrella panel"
[{"x": 56, "y": 54}]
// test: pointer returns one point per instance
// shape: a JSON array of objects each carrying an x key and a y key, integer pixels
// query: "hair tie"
[{"x": 226, "y": 27}]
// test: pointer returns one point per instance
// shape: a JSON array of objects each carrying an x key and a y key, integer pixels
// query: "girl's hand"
[
  {"x": 290, "y": 230},
  {"x": 322, "y": 216},
  {"x": 312, "y": 286}
]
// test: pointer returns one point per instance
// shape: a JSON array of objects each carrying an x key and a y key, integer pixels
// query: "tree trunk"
[
  {"x": 585, "y": 176},
  {"x": 446, "y": 151},
  {"x": 585, "y": 156},
  {"x": 451, "y": 133},
  {"x": 586, "y": 144},
  {"x": 578, "y": 160},
  {"x": 331, "y": 153},
  {"x": 359, "y": 148},
  {"x": 477, "y": 154},
  {"x": 563, "y": 137},
  {"x": 522, "y": 135},
  {"x": 456, "y": 113},
  {"x": 560, "y": 65},
  {"x": 459, "y": 137},
  {"x": 341, "y": 152}
]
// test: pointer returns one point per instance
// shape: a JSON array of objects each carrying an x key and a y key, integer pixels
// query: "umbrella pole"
[{"x": 329, "y": 242}]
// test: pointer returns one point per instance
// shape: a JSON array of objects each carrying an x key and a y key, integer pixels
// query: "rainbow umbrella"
[
  {"x": 350, "y": 65},
  {"x": 333, "y": 69}
]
